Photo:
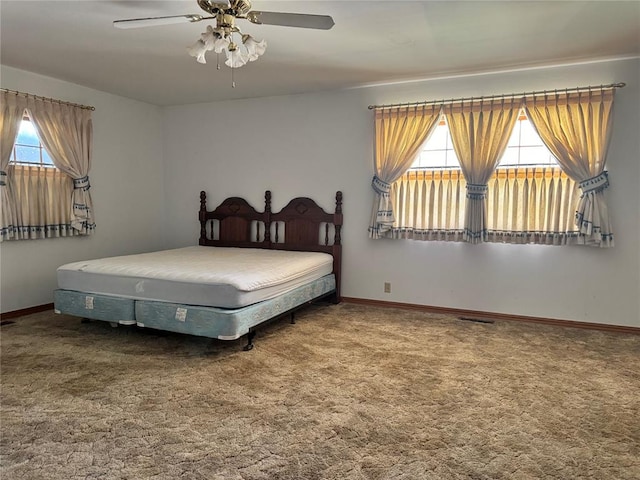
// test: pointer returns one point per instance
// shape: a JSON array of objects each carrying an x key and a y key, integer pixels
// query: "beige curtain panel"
[
  {"x": 479, "y": 132},
  {"x": 399, "y": 135},
  {"x": 12, "y": 111},
  {"x": 43, "y": 199},
  {"x": 66, "y": 131},
  {"x": 576, "y": 128}
]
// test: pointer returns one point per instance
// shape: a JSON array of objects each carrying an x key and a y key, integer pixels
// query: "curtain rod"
[
  {"x": 491, "y": 97},
  {"x": 48, "y": 99}
]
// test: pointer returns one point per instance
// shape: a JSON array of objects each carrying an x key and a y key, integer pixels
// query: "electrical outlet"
[{"x": 387, "y": 287}]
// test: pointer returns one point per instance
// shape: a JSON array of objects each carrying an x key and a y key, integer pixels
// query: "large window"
[
  {"x": 529, "y": 198},
  {"x": 497, "y": 169}
]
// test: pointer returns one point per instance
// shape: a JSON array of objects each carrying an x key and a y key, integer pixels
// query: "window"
[
  {"x": 530, "y": 199},
  {"x": 438, "y": 150},
  {"x": 525, "y": 149},
  {"x": 27, "y": 149},
  {"x": 41, "y": 191},
  {"x": 41, "y": 199},
  {"x": 421, "y": 193}
]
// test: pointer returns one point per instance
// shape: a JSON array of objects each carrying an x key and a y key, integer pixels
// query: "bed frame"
[{"x": 301, "y": 225}]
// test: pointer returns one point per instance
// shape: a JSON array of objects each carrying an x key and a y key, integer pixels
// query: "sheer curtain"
[
  {"x": 430, "y": 205},
  {"x": 66, "y": 131},
  {"x": 532, "y": 205},
  {"x": 12, "y": 110},
  {"x": 480, "y": 132},
  {"x": 576, "y": 128},
  {"x": 399, "y": 134},
  {"x": 524, "y": 206},
  {"x": 42, "y": 201}
]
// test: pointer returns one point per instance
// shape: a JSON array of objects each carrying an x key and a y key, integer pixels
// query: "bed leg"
[
  {"x": 85, "y": 320},
  {"x": 293, "y": 318},
  {"x": 250, "y": 336}
]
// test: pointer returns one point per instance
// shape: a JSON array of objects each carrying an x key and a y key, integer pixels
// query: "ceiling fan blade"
[
  {"x": 302, "y": 20},
  {"x": 154, "y": 21}
]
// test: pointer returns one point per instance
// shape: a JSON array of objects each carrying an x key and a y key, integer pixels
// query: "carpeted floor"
[{"x": 349, "y": 392}]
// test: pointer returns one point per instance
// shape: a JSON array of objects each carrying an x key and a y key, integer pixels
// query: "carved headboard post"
[
  {"x": 267, "y": 211},
  {"x": 337, "y": 245},
  {"x": 202, "y": 216},
  {"x": 338, "y": 239}
]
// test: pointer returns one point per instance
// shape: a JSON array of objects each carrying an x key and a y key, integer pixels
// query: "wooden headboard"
[
  {"x": 234, "y": 223},
  {"x": 302, "y": 225}
]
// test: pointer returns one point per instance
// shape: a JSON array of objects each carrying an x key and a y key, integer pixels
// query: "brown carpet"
[{"x": 349, "y": 392}]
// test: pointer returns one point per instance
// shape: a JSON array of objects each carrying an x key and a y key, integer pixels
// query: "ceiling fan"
[{"x": 220, "y": 39}]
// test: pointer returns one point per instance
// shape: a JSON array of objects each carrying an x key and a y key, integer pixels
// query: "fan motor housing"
[
  {"x": 237, "y": 8},
  {"x": 240, "y": 7}
]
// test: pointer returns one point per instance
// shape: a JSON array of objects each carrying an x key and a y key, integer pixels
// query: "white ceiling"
[{"x": 372, "y": 42}]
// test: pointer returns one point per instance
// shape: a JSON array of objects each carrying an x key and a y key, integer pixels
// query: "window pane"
[
  {"x": 452, "y": 158},
  {"x": 529, "y": 135},
  {"x": 27, "y": 154},
  {"x": 514, "y": 139},
  {"x": 434, "y": 159},
  {"x": 27, "y": 134},
  {"x": 438, "y": 139},
  {"x": 510, "y": 157},
  {"x": 534, "y": 156},
  {"x": 46, "y": 159}
]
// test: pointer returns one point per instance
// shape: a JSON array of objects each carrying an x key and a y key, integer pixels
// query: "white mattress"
[{"x": 207, "y": 276}]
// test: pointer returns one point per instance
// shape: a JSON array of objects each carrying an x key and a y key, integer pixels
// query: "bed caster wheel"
[
  {"x": 248, "y": 347},
  {"x": 113, "y": 324}
]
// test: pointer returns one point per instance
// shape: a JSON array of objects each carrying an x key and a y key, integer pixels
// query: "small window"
[{"x": 27, "y": 149}]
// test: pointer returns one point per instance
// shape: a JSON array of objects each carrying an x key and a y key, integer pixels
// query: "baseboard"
[
  {"x": 458, "y": 312},
  {"x": 26, "y": 311}
]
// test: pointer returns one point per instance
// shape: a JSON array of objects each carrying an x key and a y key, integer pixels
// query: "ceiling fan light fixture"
[
  {"x": 221, "y": 43},
  {"x": 198, "y": 50},
  {"x": 220, "y": 39},
  {"x": 254, "y": 48},
  {"x": 236, "y": 57}
]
